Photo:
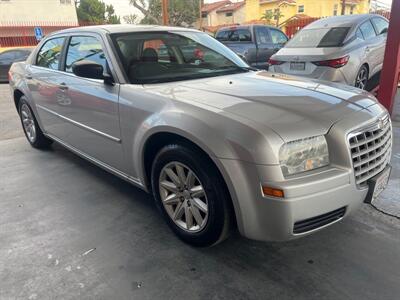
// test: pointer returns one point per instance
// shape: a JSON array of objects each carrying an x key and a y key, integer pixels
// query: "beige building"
[
  {"x": 38, "y": 12},
  {"x": 222, "y": 13}
]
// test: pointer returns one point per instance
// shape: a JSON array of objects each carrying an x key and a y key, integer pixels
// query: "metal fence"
[{"x": 21, "y": 34}]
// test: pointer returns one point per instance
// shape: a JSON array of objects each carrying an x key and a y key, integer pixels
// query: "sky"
[{"x": 122, "y": 7}]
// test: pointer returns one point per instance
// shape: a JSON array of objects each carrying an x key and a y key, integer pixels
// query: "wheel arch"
[
  {"x": 159, "y": 139},
  {"x": 17, "y": 94}
]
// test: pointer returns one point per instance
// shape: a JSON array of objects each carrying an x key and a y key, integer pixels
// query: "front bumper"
[{"x": 274, "y": 219}]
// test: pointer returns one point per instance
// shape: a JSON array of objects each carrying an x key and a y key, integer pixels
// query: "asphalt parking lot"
[{"x": 69, "y": 230}]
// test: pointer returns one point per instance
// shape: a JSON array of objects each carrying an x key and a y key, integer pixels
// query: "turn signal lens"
[
  {"x": 274, "y": 62},
  {"x": 269, "y": 191},
  {"x": 333, "y": 63}
]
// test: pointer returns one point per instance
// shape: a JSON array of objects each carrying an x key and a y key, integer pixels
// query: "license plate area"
[
  {"x": 297, "y": 66},
  {"x": 377, "y": 184}
]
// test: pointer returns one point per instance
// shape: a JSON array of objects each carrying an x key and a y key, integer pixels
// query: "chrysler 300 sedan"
[{"x": 220, "y": 145}]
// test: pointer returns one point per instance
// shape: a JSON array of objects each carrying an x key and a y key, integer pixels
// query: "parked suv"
[
  {"x": 345, "y": 49},
  {"x": 255, "y": 43},
  {"x": 178, "y": 114}
]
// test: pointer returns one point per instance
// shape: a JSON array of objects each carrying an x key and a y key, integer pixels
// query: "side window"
[
  {"x": 381, "y": 25},
  {"x": 222, "y": 36},
  {"x": 85, "y": 48},
  {"x": 277, "y": 36},
  {"x": 262, "y": 35},
  {"x": 50, "y": 54},
  {"x": 367, "y": 30},
  {"x": 244, "y": 35},
  {"x": 359, "y": 34}
]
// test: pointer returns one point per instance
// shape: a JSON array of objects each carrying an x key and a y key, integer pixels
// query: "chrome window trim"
[{"x": 88, "y": 128}]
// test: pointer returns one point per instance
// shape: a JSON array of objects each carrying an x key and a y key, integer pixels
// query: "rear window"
[
  {"x": 234, "y": 35},
  {"x": 319, "y": 38}
]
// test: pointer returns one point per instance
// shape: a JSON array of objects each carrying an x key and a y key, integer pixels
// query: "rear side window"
[
  {"x": 381, "y": 25},
  {"x": 236, "y": 35},
  {"x": 85, "y": 48},
  {"x": 277, "y": 36},
  {"x": 359, "y": 34},
  {"x": 50, "y": 54},
  {"x": 319, "y": 37},
  {"x": 367, "y": 30}
]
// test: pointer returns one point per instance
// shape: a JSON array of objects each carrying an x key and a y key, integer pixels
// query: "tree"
[
  {"x": 130, "y": 19},
  {"x": 181, "y": 12},
  {"x": 268, "y": 16},
  {"x": 96, "y": 12}
]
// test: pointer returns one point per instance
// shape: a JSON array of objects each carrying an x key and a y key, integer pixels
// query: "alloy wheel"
[
  {"x": 28, "y": 123},
  {"x": 183, "y": 197},
  {"x": 362, "y": 78}
]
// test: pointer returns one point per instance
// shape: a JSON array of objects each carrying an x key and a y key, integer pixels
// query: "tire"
[
  {"x": 362, "y": 78},
  {"x": 213, "y": 225},
  {"x": 31, "y": 128}
]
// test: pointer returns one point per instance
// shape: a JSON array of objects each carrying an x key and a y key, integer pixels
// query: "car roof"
[
  {"x": 232, "y": 27},
  {"x": 123, "y": 28},
  {"x": 341, "y": 21}
]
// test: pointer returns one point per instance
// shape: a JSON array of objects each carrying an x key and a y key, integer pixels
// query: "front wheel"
[
  {"x": 191, "y": 195},
  {"x": 362, "y": 78}
]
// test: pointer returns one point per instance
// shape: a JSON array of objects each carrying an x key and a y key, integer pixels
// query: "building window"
[
  {"x": 335, "y": 9},
  {"x": 228, "y": 14},
  {"x": 65, "y": 1},
  {"x": 300, "y": 9},
  {"x": 204, "y": 14},
  {"x": 351, "y": 9}
]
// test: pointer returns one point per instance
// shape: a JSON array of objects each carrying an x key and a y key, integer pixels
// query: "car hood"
[{"x": 290, "y": 106}]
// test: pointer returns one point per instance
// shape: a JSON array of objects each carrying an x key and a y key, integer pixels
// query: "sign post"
[{"x": 38, "y": 33}]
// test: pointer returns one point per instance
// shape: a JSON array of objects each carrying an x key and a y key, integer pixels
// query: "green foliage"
[
  {"x": 96, "y": 12},
  {"x": 131, "y": 19},
  {"x": 181, "y": 12}
]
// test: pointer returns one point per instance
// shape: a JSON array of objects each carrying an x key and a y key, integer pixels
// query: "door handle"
[
  {"x": 28, "y": 76},
  {"x": 367, "y": 49}
]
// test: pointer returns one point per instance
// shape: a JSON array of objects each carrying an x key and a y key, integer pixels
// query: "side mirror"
[
  {"x": 243, "y": 57},
  {"x": 88, "y": 69}
]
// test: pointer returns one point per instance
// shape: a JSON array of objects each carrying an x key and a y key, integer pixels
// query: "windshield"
[
  {"x": 320, "y": 38},
  {"x": 154, "y": 57}
]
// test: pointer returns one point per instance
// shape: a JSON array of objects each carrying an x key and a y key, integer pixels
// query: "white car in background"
[{"x": 345, "y": 49}]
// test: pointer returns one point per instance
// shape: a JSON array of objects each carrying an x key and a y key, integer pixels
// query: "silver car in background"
[
  {"x": 345, "y": 49},
  {"x": 178, "y": 114}
]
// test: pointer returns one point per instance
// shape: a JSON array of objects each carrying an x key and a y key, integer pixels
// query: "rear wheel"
[
  {"x": 191, "y": 195},
  {"x": 31, "y": 127},
  {"x": 362, "y": 78}
]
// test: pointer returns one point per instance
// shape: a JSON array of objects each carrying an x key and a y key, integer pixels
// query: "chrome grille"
[{"x": 371, "y": 149}]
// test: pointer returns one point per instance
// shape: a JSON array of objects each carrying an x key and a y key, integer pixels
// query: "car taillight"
[
  {"x": 273, "y": 62},
  {"x": 333, "y": 63}
]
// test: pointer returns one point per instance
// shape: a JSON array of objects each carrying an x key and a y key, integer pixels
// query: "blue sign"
[{"x": 38, "y": 33}]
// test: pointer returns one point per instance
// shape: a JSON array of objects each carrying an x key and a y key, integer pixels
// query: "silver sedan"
[
  {"x": 219, "y": 145},
  {"x": 345, "y": 49}
]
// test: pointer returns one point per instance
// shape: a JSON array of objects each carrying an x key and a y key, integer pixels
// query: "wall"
[
  {"x": 313, "y": 8},
  {"x": 238, "y": 16},
  {"x": 41, "y": 11}
]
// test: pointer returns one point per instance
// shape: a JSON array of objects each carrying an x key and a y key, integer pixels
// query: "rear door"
[
  {"x": 371, "y": 49},
  {"x": 381, "y": 27},
  {"x": 240, "y": 41},
  {"x": 265, "y": 46}
]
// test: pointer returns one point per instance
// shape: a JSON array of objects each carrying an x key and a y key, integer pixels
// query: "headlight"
[{"x": 303, "y": 155}]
